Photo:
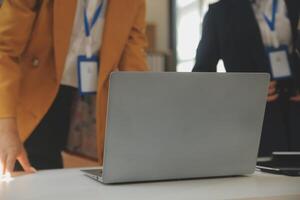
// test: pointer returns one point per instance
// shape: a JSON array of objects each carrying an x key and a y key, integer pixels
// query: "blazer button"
[{"x": 35, "y": 62}]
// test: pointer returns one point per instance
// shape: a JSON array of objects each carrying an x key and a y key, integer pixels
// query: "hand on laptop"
[
  {"x": 272, "y": 93},
  {"x": 11, "y": 148}
]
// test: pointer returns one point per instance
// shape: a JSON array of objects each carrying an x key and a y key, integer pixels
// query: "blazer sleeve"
[
  {"x": 134, "y": 55},
  {"x": 208, "y": 54},
  {"x": 16, "y": 22}
]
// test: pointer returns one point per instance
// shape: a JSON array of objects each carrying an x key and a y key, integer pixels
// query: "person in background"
[
  {"x": 48, "y": 50},
  {"x": 259, "y": 36}
]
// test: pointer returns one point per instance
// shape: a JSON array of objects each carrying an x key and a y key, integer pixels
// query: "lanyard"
[
  {"x": 272, "y": 23},
  {"x": 87, "y": 26}
]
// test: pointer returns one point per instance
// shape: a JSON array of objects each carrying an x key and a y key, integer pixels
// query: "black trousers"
[
  {"x": 49, "y": 139},
  {"x": 281, "y": 129}
]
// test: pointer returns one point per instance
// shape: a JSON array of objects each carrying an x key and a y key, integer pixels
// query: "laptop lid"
[{"x": 164, "y": 126}]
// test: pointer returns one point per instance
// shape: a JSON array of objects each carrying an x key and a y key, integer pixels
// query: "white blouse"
[
  {"x": 79, "y": 41},
  {"x": 283, "y": 29}
]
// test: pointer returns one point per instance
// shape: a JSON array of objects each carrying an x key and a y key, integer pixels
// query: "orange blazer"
[{"x": 34, "y": 42}]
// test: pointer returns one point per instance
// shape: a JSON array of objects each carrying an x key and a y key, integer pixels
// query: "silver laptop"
[{"x": 170, "y": 126}]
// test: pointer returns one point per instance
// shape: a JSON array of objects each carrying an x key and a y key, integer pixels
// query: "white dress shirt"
[
  {"x": 283, "y": 27},
  {"x": 79, "y": 41}
]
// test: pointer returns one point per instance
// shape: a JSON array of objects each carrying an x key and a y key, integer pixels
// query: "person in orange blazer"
[{"x": 34, "y": 43}]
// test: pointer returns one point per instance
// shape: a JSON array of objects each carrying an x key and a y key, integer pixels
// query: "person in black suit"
[{"x": 249, "y": 36}]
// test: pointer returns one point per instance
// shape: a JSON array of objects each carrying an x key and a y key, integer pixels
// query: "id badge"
[
  {"x": 279, "y": 61},
  {"x": 87, "y": 70}
]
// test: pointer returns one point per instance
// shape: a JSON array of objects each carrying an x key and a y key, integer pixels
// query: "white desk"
[{"x": 73, "y": 185}]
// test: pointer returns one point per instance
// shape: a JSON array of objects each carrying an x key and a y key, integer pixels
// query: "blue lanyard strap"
[
  {"x": 87, "y": 26},
  {"x": 272, "y": 23}
]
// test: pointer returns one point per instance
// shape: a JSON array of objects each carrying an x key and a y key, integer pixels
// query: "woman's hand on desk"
[
  {"x": 11, "y": 148},
  {"x": 272, "y": 92}
]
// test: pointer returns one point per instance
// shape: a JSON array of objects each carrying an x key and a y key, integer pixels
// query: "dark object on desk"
[{"x": 285, "y": 163}]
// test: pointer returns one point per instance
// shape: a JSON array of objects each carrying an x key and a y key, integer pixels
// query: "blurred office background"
[{"x": 174, "y": 31}]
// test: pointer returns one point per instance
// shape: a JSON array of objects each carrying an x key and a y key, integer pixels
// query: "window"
[{"x": 189, "y": 19}]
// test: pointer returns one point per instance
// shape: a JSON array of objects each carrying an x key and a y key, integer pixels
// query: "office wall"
[{"x": 158, "y": 13}]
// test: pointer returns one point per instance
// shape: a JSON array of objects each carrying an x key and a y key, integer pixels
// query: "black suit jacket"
[{"x": 231, "y": 33}]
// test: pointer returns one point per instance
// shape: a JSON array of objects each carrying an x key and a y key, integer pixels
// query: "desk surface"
[{"x": 72, "y": 184}]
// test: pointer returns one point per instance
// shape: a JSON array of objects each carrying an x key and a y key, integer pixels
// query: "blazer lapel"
[
  {"x": 118, "y": 23},
  {"x": 293, "y": 14},
  {"x": 247, "y": 29},
  {"x": 64, "y": 13}
]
